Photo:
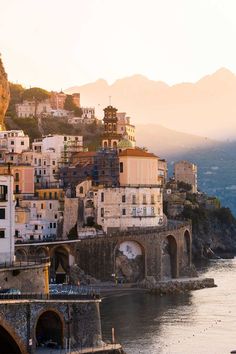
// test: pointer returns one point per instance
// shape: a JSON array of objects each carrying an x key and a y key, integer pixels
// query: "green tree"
[
  {"x": 16, "y": 94},
  {"x": 69, "y": 105},
  {"x": 37, "y": 95}
]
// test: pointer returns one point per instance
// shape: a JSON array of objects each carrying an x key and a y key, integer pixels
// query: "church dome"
[{"x": 124, "y": 144}]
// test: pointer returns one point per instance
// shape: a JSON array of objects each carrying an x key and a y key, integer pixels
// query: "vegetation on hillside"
[
  {"x": 91, "y": 132},
  {"x": 69, "y": 105}
]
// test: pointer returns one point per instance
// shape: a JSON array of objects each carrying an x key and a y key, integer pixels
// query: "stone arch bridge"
[
  {"x": 131, "y": 255},
  {"x": 68, "y": 324}
]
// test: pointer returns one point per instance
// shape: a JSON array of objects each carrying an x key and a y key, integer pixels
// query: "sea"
[{"x": 198, "y": 322}]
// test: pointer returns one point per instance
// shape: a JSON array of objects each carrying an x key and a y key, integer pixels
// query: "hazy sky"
[{"x": 60, "y": 43}]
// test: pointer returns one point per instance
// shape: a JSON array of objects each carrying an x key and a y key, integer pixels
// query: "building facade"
[{"x": 185, "y": 171}]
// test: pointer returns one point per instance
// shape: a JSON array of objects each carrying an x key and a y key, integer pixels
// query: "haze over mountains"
[{"x": 206, "y": 108}]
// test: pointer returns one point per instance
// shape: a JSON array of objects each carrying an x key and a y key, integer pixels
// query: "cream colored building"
[
  {"x": 28, "y": 109},
  {"x": 7, "y": 218},
  {"x": 126, "y": 129},
  {"x": 162, "y": 172},
  {"x": 13, "y": 141},
  {"x": 37, "y": 219},
  {"x": 185, "y": 171},
  {"x": 122, "y": 207},
  {"x": 138, "y": 167}
]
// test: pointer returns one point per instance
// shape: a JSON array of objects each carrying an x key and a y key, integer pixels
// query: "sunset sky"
[{"x": 60, "y": 43}]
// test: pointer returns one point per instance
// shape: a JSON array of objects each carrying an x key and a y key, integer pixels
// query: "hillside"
[
  {"x": 205, "y": 108},
  {"x": 91, "y": 132}
]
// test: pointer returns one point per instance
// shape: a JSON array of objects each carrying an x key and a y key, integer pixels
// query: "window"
[
  {"x": 121, "y": 167},
  {"x": 144, "y": 199},
  {"x": 44, "y": 195},
  {"x": 36, "y": 227},
  {"x": 81, "y": 190},
  {"x": 17, "y": 177},
  {"x": 50, "y": 195},
  {"x": 2, "y": 233},
  {"x": 54, "y": 225},
  {"x": 123, "y": 211},
  {"x": 55, "y": 195},
  {"x": 50, "y": 205},
  {"x": 102, "y": 197},
  {"x": 102, "y": 212},
  {"x": 133, "y": 199},
  {"x": 17, "y": 188},
  {"x": 55, "y": 216},
  {"x": 12, "y": 142},
  {"x": 22, "y": 143},
  {"x": 54, "y": 163},
  {"x": 144, "y": 212},
  {"x": 42, "y": 206},
  {"x": 50, "y": 225},
  {"x": 152, "y": 199},
  {"x": 123, "y": 198},
  {"x": 2, "y": 213},
  {"x": 3, "y": 192}
]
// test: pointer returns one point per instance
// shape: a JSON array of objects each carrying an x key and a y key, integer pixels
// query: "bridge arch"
[
  {"x": 42, "y": 252},
  {"x": 21, "y": 254},
  {"x": 49, "y": 327},
  {"x": 60, "y": 263},
  {"x": 186, "y": 249},
  {"x": 10, "y": 341},
  {"x": 129, "y": 260},
  {"x": 169, "y": 258}
]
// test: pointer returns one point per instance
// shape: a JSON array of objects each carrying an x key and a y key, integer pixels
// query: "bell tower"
[{"x": 110, "y": 135}]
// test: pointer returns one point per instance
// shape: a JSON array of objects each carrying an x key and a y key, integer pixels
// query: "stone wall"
[
  {"x": 28, "y": 279},
  {"x": 80, "y": 319},
  {"x": 70, "y": 215},
  {"x": 98, "y": 256}
]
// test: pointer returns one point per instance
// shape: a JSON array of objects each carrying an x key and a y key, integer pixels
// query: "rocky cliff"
[{"x": 4, "y": 94}]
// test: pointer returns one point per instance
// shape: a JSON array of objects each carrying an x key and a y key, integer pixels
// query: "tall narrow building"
[{"x": 110, "y": 136}]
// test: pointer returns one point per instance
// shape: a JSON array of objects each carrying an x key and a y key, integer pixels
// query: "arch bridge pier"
[
  {"x": 28, "y": 326},
  {"x": 130, "y": 255}
]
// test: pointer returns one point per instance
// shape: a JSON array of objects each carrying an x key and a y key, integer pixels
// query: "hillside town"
[{"x": 91, "y": 217}]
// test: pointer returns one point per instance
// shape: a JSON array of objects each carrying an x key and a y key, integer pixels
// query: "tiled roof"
[{"x": 137, "y": 153}]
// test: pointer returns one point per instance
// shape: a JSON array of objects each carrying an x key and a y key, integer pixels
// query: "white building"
[
  {"x": 88, "y": 113},
  {"x": 122, "y": 207},
  {"x": 126, "y": 129},
  {"x": 45, "y": 165},
  {"x": 7, "y": 219},
  {"x": 29, "y": 109},
  {"x": 58, "y": 143},
  {"x": 14, "y": 141},
  {"x": 37, "y": 219}
]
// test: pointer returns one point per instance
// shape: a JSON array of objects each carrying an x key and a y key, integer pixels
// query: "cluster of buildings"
[
  {"x": 53, "y": 185},
  {"x": 54, "y": 107}
]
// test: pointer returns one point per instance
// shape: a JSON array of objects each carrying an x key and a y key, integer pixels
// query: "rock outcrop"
[{"x": 4, "y": 95}]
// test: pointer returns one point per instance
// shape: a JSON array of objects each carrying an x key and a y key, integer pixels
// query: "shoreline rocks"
[{"x": 177, "y": 286}]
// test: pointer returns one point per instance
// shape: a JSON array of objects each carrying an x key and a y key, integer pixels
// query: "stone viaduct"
[
  {"x": 133, "y": 254},
  {"x": 69, "y": 324}
]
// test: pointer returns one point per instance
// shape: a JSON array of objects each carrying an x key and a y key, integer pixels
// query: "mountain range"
[{"x": 206, "y": 108}]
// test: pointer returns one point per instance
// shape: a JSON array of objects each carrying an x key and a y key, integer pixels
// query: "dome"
[{"x": 124, "y": 144}]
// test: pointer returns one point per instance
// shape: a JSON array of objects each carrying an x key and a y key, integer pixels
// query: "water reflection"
[{"x": 202, "y": 321}]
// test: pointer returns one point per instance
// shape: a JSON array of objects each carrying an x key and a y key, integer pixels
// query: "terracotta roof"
[{"x": 136, "y": 152}]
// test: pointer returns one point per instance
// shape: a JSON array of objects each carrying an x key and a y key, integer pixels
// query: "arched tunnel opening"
[
  {"x": 7, "y": 343},
  {"x": 59, "y": 265},
  {"x": 49, "y": 331}
]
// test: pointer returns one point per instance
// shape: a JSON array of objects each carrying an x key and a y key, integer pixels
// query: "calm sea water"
[{"x": 202, "y": 321}]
